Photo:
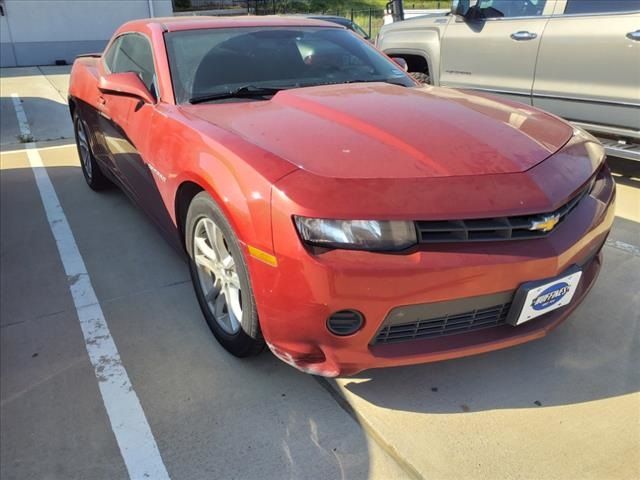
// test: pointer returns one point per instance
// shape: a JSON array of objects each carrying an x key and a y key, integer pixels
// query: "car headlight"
[{"x": 372, "y": 235}]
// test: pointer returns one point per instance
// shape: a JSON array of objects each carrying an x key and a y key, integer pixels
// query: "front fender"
[{"x": 237, "y": 174}]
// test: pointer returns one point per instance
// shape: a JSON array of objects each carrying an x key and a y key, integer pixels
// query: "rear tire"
[
  {"x": 90, "y": 168},
  {"x": 221, "y": 278},
  {"x": 421, "y": 77}
]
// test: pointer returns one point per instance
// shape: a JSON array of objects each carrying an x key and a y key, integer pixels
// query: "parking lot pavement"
[
  {"x": 566, "y": 406},
  {"x": 211, "y": 415},
  {"x": 43, "y": 92}
]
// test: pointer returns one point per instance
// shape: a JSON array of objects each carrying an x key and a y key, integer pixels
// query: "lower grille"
[{"x": 447, "y": 325}]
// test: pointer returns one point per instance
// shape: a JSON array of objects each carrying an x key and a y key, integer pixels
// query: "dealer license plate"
[{"x": 541, "y": 298}]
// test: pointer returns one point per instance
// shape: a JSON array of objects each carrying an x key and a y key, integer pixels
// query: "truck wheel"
[{"x": 421, "y": 77}]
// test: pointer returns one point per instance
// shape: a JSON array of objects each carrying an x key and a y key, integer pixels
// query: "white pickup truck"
[
  {"x": 416, "y": 12},
  {"x": 579, "y": 59}
]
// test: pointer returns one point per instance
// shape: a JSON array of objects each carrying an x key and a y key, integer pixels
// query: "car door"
[
  {"x": 126, "y": 124},
  {"x": 589, "y": 63},
  {"x": 495, "y": 49},
  {"x": 113, "y": 110}
]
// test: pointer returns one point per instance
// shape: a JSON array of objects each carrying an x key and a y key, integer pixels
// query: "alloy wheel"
[
  {"x": 83, "y": 143},
  {"x": 217, "y": 275}
]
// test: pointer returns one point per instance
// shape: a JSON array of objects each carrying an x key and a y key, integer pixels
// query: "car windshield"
[{"x": 215, "y": 62}]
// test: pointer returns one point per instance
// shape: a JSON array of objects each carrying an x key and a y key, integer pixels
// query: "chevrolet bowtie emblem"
[{"x": 545, "y": 223}]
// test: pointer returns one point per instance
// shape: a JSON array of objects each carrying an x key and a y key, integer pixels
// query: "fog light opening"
[{"x": 345, "y": 322}]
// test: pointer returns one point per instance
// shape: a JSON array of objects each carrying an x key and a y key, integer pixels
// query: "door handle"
[
  {"x": 101, "y": 100},
  {"x": 634, "y": 35},
  {"x": 524, "y": 35}
]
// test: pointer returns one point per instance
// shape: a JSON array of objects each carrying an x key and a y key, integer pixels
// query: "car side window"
[
  {"x": 132, "y": 53},
  {"x": 576, "y": 7},
  {"x": 511, "y": 8},
  {"x": 109, "y": 57}
]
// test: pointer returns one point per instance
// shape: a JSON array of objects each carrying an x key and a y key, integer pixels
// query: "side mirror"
[
  {"x": 401, "y": 62},
  {"x": 126, "y": 83},
  {"x": 462, "y": 7}
]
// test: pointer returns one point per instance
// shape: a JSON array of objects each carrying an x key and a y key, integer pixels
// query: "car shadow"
[{"x": 627, "y": 171}]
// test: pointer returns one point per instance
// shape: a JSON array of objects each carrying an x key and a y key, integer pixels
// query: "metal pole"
[
  {"x": 370, "y": 9},
  {"x": 352, "y": 14},
  {"x": 151, "y": 12}
]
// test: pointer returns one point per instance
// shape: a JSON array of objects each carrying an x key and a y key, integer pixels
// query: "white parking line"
[
  {"x": 128, "y": 421},
  {"x": 41, "y": 147}
]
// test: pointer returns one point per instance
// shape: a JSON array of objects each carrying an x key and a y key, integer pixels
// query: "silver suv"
[{"x": 579, "y": 59}]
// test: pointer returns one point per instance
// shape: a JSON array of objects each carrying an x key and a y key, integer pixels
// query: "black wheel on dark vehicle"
[
  {"x": 221, "y": 279},
  {"x": 90, "y": 168},
  {"x": 421, "y": 77}
]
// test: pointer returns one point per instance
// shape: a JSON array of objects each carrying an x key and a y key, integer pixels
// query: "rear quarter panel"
[
  {"x": 83, "y": 98},
  {"x": 83, "y": 81}
]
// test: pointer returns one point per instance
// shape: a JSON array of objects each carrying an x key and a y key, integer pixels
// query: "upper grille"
[
  {"x": 446, "y": 325},
  {"x": 493, "y": 229}
]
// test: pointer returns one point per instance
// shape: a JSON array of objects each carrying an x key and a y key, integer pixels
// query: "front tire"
[
  {"x": 421, "y": 77},
  {"x": 90, "y": 168},
  {"x": 221, "y": 279}
]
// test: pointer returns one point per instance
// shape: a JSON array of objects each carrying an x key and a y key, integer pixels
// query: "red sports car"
[{"x": 330, "y": 207}]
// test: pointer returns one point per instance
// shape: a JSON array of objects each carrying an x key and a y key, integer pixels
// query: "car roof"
[
  {"x": 174, "y": 24},
  {"x": 319, "y": 16}
]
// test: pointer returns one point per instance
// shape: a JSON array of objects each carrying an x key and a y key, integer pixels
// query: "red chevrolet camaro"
[{"x": 330, "y": 207}]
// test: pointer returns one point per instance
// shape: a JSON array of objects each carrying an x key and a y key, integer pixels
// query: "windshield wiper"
[
  {"x": 370, "y": 80},
  {"x": 246, "y": 91}
]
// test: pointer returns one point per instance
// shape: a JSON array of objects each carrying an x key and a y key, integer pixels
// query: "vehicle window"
[
  {"x": 600, "y": 6},
  {"x": 511, "y": 8},
  {"x": 133, "y": 54},
  {"x": 345, "y": 22},
  {"x": 212, "y": 61},
  {"x": 111, "y": 53}
]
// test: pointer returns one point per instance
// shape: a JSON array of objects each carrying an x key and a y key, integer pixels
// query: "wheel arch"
[
  {"x": 418, "y": 57},
  {"x": 415, "y": 63},
  {"x": 241, "y": 211},
  {"x": 72, "y": 105},
  {"x": 414, "y": 58},
  {"x": 184, "y": 195}
]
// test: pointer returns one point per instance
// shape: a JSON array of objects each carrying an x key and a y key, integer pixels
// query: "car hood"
[{"x": 379, "y": 130}]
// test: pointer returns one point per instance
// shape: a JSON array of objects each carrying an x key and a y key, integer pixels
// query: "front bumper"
[{"x": 295, "y": 298}]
